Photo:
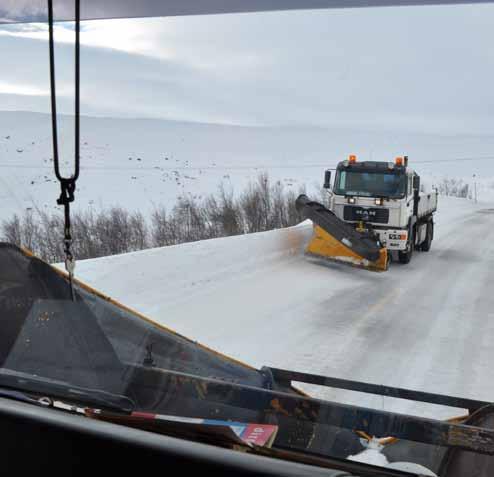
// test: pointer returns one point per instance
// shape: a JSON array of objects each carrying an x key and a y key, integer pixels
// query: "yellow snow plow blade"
[
  {"x": 339, "y": 241},
  {"x": 323, "y": 245}
]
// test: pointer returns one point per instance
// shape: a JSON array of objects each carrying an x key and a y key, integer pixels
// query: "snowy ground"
[
  {"x": 141, "y": 163},
  {"x": 428, "y": 325}
]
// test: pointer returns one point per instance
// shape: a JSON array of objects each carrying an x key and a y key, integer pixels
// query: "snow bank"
[{"x": 175, "y": 271}]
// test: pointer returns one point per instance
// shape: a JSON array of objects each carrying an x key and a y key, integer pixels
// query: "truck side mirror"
[
  {"x": 327, "y": 179},
  {"x": 416, "y": 182}
]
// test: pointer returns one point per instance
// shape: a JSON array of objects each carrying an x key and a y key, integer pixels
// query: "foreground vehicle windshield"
[
  {"x": 98, "y": 354},
  {"x": 94, "y": 353}
]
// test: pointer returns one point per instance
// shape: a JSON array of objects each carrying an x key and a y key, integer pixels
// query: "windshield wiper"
[
  {"x": 60, "y": 389},
  {"x": 17, "y": 395}
]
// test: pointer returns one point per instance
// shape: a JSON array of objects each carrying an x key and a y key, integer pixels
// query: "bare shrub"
[
  {"x": 189, "y": 220},
  {"x": 12, "y": 230},
  {"x": 223, "y": 214},
  {"x": 48, "y": 238},
  {"x": 293, "y": 215},
  {"x": 255, "y": 203},
  {"x": 87, "y": 243},
  {"x": 118, "y": 231},
  {"x": 140, "y": 234},
  {"x": 453, "y": 187},
  {"x": 161, "y": 234}
]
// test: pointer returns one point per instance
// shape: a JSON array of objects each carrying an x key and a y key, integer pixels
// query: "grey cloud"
[{"x": 393, "y": 69}]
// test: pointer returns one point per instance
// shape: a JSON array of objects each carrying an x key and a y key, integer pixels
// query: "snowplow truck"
[{"x": 376, "y": 211}]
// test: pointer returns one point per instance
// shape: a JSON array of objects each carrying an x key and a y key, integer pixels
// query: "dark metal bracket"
[
  {"x": 291, "y": 405},
  {"x": 285, "y": 377}
]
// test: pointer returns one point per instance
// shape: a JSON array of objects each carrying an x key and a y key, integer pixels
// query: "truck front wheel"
[{"x": 406, "y": 255}]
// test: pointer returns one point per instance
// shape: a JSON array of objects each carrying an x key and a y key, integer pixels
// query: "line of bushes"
[
  {"x": 454, "y": 188},
  {"x": 262, "y": 206}
]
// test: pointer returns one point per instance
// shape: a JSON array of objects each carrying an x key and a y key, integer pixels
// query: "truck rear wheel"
[{"x": 426, "y": 245}]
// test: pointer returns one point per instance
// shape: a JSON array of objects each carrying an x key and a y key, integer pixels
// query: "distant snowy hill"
[{"x": 140, "y": 163}]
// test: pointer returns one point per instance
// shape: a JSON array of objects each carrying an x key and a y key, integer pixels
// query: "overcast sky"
[{"x": 426, "y": 69}]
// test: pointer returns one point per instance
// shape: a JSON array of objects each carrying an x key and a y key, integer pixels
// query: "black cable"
[
  {"x": 56, "y": 162},
  {"x": 53, "y": 90},
  {"x": 77, "y": 62},
  {"x": 67, "y": 184},
  {"x": 458, "y": 159}
]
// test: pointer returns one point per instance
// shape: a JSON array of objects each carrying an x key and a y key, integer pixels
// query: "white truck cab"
[{"x": 384, "y": 197}]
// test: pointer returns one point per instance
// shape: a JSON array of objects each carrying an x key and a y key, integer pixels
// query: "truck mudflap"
[{"x": 338, "y": 241}]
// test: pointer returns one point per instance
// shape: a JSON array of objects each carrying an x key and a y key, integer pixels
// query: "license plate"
[{"x": 397, "y": 237}]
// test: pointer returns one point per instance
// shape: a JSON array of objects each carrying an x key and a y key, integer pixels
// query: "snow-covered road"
[{"x": 428, "y": 325}]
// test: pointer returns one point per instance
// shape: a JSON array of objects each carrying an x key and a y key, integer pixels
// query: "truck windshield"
[{"x": 370, "y": 184}]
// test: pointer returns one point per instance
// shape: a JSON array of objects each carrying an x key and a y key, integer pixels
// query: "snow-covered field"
[
  {"x": 427, "y": 325},
  {"x": 141, "y": 163}
]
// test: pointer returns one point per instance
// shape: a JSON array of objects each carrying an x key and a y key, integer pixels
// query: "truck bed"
[{"x": 427, "y": 203}]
